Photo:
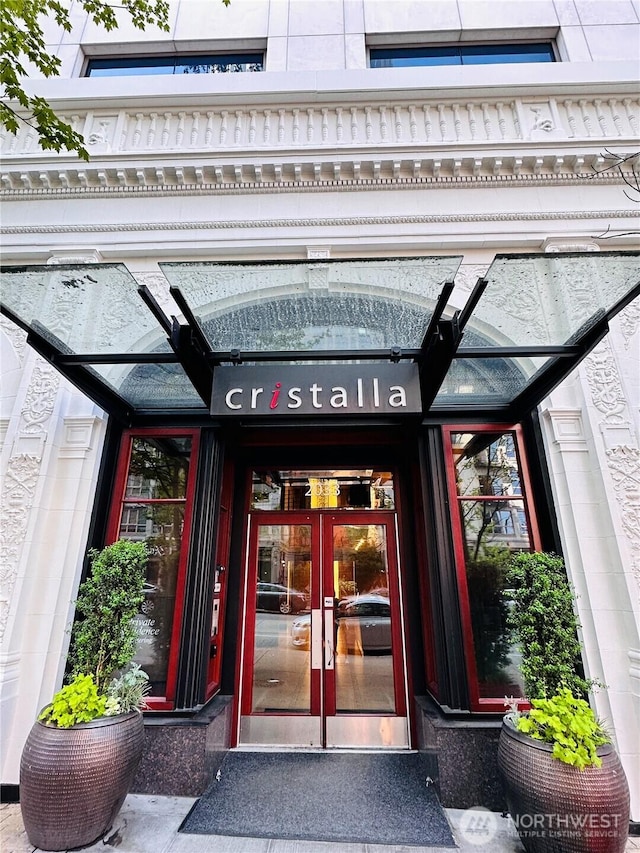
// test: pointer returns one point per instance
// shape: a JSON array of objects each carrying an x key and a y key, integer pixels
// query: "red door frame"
[
  {"x": 255, "y": 520},
  {"x": 388, "y": 519},
  {"x": 322, "y": 682}
]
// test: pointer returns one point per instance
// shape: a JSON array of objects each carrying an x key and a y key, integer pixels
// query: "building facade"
[{"x": 342, "y": 311}]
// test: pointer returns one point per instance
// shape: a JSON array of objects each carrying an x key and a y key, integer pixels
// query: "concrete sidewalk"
[{"x": 149, "y": 824}]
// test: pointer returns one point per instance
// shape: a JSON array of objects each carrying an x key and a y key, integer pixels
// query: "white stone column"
[
  {"x": 592, "y": 438},
  {"x": 53, "y": 439}
]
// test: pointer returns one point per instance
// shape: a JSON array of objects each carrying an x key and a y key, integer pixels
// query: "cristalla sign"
[{"x": 346, "y": 389}]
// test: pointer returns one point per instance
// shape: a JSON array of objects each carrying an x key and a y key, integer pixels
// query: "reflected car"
[
  {"x": 275, "y": 597},
  {"x": 363, "y": 625}
]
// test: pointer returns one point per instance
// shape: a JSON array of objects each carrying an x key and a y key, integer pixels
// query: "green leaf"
[{"x": 568, "y": 723}]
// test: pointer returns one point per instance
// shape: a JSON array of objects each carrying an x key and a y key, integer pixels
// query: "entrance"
[{"x": 323, "y": 662}]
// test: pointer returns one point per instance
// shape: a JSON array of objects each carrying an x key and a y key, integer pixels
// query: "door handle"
[
  {"x": 329, "y": 653},
  {"x": 316, "y": 639},
  {"x": 329, "y": 650}
]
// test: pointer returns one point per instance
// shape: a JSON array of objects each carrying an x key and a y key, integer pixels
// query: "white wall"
[{"x": 302, "y": 35}]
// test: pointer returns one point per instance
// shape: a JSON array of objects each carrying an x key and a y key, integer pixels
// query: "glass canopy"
[
  {"x": 333, "y": 305},
  {"x": 89, "y": 308},
  {"x": 498, "y": 350},
  {"x": 535, "y": 310},
  {"x": 91, "y": 323}
]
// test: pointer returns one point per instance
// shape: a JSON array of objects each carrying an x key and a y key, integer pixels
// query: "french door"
[{"x": 323, "y": 659}]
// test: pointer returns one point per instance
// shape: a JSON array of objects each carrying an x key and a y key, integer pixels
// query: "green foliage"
[
  {"x": 23, "y": 43},
  {"x": 77, "y": 702},
  {"x": 545, "y": 625},
  {"x": 569, "y": 724},
  {"x": 104, "y": 639},
  {"x": 127, "y": 692}
]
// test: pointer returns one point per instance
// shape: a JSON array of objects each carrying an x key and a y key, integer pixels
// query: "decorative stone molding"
[
  {"x": 77, "y": 437},
  {"x": 453, "y": 169},
  {"x": 629, "y": 320},
  {"x": 157, "y": 284},
  {"x": 621, "y": 445},
  {"x": 318, "y": 253},
  {"x": 624, "y": 466},
  {"x": 412, "y": 120},
  {"x": 81, "y": 256},
  {"x": 316, "y": 222},
  {"x": 17, "y": 337},
  {"x": 558, "y": 245},
  {"x": 568, "y": 429},
  {"x": 39, "y": 400},
  {"x": 21, "y": 477},
  {"x": 17, "y": 499},
  {"x": 606, "y": 387}
]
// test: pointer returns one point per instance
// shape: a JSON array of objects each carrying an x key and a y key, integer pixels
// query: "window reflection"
[
  {"x": 154, "y": 622},
  {"x": 158, "y": 468},
  {"x": 399, "y": 57},
  {"x": 281, "y": 670},
  {"x": 362, "y": 617},
  {"x": 153, "y": 511},
  {"x": 494, "y": 526},
  {"x": 195, "y": 64},
  {"x": 322, "y": 489}
]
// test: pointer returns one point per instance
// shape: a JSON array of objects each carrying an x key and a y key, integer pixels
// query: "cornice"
[
  {"x": 309, "y": 144},
  {"x": 492, "y": 173},
  {"x": 315, "y": 222}
]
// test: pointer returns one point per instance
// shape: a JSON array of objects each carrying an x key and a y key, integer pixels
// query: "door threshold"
[{"x": 253, "y": 747}]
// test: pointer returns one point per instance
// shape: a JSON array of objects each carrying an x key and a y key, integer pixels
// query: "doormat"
[{"x": 381, "y": 798}]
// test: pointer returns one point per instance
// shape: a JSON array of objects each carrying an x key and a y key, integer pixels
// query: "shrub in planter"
[
  {"x": 82, "y": 753},
  {"x": 565, "y": 787},
  {"x": 544, "y": 622}
]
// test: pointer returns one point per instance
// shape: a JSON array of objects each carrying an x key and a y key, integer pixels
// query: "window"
[
  {"x": 487, "y": 54},
  {"x": 320, "y": 489},
  {"x": 211, "y": 63},
  {"x": 493, "y": 521},
  {"x": 152, "y": 504}
]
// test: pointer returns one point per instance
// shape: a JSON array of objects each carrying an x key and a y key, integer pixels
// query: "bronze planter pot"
[
  {"x": 556, "y": 807},
  {"x": 74, "y": 781}
]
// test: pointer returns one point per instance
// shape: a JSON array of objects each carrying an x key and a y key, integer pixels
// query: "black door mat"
[{"x": 375, "y": 798}]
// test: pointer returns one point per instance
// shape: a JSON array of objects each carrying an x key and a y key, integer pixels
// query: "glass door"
[{"x": 323, "y": 661}]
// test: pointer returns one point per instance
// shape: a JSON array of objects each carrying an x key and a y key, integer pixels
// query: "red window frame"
[
  {"x": 478, "y": 703},
  {"x": 221, "y": 574},
  {"x": 119, "y": 501}
]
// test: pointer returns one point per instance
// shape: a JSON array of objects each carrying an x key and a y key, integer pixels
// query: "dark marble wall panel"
[
  {"x": 182, "y": 755},
  {"x": 465, "y": 749}
]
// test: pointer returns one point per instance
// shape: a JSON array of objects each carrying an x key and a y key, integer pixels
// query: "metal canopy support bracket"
[
  {"x": 441, "y": 341},
  {"x": 435, "y": 361},
  {"x": 193, "y": 360},
  {"x": 150, "y": 301},
  {"x": 192, "y": 348}
]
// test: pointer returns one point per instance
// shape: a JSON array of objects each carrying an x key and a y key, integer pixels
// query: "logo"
[
  {"x": 478, "y": 826},
  {"x": 316, "y": 390}
]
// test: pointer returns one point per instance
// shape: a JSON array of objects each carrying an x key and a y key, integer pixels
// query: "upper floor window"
[
  {"x": 211, "y": 63},
  {"x": 484, "y": 54}
]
